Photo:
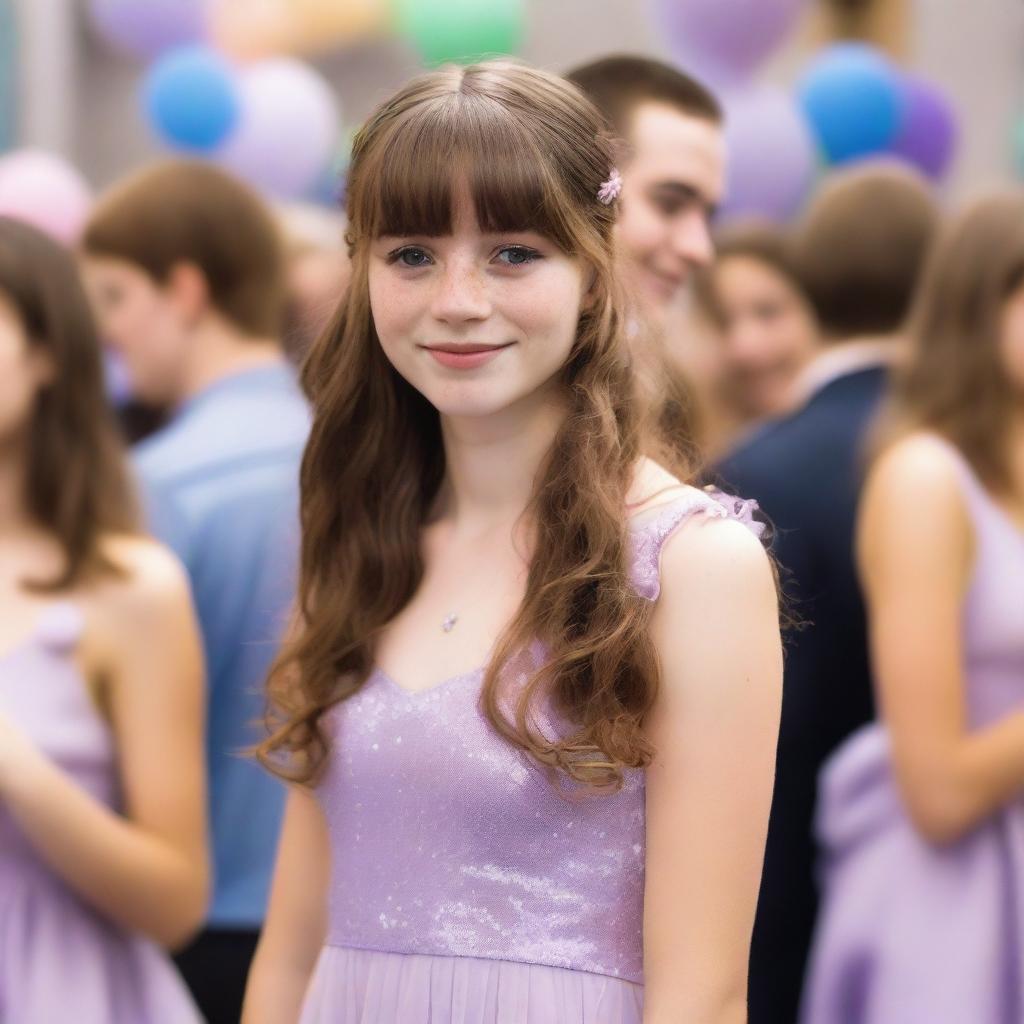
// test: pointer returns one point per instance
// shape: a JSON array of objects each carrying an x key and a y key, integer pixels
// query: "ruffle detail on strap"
[{"x": 649, "y": 536}]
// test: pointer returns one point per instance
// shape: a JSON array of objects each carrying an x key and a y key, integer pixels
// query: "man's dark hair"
[
  {"x": 617, "y": 85},
  {"x": 860, "y": 247}
]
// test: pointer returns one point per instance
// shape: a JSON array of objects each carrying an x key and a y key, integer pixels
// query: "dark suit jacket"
[{"x": 805, "y": 471}]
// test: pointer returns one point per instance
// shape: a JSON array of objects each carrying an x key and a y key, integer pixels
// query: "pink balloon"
[
  {"x": 45, "y": 191},
  {"x": 287, "y": 130}
]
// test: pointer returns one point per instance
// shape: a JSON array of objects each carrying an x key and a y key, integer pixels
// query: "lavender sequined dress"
[
  {"x": 464, "y": 888},
  {"x": 911, "y": 932},
  {"x": 60, "y": 960}
]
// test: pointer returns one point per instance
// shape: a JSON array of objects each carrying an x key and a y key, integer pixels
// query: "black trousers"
[{"x": 215, "y": 967}]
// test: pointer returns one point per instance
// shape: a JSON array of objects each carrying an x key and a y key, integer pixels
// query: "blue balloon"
[
  {"x": 853, "y": 98},
  {"x": 191, "y": 98}
]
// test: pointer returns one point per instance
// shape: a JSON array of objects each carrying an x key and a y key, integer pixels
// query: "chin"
[
  {"x": 661, "y": 297},
  {"x": 468, "y": 402}
]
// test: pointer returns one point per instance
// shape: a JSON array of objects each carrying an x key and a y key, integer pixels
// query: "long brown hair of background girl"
[
  {"x": 77, "y": 485},
  {"x": 953, "y": 382},
  {"x": 534, "y": 153}
]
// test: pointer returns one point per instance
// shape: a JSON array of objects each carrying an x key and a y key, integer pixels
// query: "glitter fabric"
[{"x": 449, "y": 842}]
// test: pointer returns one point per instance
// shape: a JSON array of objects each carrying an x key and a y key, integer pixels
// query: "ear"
[{"x": 189, "y": 290}]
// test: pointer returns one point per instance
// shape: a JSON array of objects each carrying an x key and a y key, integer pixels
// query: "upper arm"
[
  {"x": 915, "y": 550},
  {"x": 715, "y": 730},
  {"x": 296, "y": 924},
  {"x": 156, "y": 698}
]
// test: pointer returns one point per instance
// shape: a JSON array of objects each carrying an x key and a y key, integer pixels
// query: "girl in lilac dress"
[
  {"x": 922, "y": 814},
  {"x": 531, "y": 702},
  {"x": 102, "y": 844}
]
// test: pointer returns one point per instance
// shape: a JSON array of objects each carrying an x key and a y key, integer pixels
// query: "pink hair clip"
[{"x": 610, "y": 190}]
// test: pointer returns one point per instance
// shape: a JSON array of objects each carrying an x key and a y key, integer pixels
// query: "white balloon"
[{"x": 288, "y": 128}]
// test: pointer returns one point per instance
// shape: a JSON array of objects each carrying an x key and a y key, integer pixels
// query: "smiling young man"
[{"x": 673, "y": 170}]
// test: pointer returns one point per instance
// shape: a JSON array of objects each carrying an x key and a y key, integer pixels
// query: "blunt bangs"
[{"x": 407, "y": 188}]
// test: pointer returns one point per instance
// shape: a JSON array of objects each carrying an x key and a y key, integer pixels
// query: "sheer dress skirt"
[{"x": 364, "y": 986}]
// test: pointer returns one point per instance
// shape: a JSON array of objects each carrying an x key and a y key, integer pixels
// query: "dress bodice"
[
  {"x": 446, "y": 840},
  {"x": 43, "y": 693},
  {"x": 993, "y": 637}
]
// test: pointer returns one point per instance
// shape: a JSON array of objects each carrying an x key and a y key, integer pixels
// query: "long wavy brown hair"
[
  {"x": 77, "y": 486},
  {"x": 953, "y": 381},
  {"x": 535, "y": 153}
]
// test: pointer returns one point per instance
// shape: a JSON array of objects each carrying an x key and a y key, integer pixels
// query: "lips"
[{"x": 465, "y": 356}]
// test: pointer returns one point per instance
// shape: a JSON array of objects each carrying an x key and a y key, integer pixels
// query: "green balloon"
[{"x": 461, "y": 30}]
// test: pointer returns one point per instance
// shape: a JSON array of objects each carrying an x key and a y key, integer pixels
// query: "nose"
[
  {"x": 691, "y": 239},
  {"x": 462, "y": 294}
]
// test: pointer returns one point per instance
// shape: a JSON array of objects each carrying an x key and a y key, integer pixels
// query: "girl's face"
[
  {"x": 476, "y": 322},
  {"x": 1011, "y": 341},
  {"x": 768, "y": 334},
  {"x": 24, "y": 370}
]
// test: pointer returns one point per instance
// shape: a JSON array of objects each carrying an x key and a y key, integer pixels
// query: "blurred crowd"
[{"x": 858, "y": 372}]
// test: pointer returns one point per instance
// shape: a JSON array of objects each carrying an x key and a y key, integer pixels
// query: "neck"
[
  {"x": 492, "y": 462},
  {"x": 217, "y": 350}
]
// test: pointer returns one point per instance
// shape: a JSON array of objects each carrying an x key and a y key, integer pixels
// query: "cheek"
[
  {"x": 546, "y": 312},
  {"x": 125, "y": 324},
  {"x": 393, "y": 317},
  {"x": 17, "y": 392},
  {"x": 1012, "y": 339},
  {"x": 1013, "y": 356},
  {"x": 641, "y": 228}
]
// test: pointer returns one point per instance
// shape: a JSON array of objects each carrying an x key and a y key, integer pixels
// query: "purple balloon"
[
  {"x": 771, "y": 157},
  {"x": 287, "y": 131},
  {"x": 145, "y": 28},
  {"x": 724, "y": 40},
  {"x": 928, "y": 134}
]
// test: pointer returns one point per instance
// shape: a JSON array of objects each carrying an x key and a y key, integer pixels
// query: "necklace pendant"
[{"x": 449, "y": 623}]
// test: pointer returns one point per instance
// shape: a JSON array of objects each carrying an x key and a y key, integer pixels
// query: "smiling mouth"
[
  {"x": 465, "y": 357},
  {"x": 668, "y": 283},
  {"x": 465, "y": 349}
]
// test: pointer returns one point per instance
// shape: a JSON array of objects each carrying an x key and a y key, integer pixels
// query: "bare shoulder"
[
  {"x": 152, "y": 580},
  {"x": 914, "y": 516},
  {"x": 710, "y": 555},
  {"x": 918, "y": 464},
  {"x": 914, "y": 488},
  {"x": 652, "y": 485}
]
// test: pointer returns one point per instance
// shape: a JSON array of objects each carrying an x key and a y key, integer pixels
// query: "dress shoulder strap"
[
  {"x": 650, "y": 529},
  {"x": 60, "y": 627}
]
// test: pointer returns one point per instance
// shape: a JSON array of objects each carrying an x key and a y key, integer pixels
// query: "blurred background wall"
[{"x": 77, "y": 96}]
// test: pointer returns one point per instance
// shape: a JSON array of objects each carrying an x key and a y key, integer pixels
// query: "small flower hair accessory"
[{"x": 610, "y": 190}]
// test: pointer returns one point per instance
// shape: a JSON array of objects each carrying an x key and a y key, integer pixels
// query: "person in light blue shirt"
[{"x": 186, "y": 270}]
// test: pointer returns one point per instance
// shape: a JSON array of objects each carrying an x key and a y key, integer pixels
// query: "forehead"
[
  {"x": 742, "y": 269},
  {"x": 672, "y": 147}
]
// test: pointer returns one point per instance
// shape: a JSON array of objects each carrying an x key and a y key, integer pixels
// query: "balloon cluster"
[
  {"x": 851, "y": 103},
  {"x": 860, "y": 105},
  {"x": 226, "y": 79}
]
